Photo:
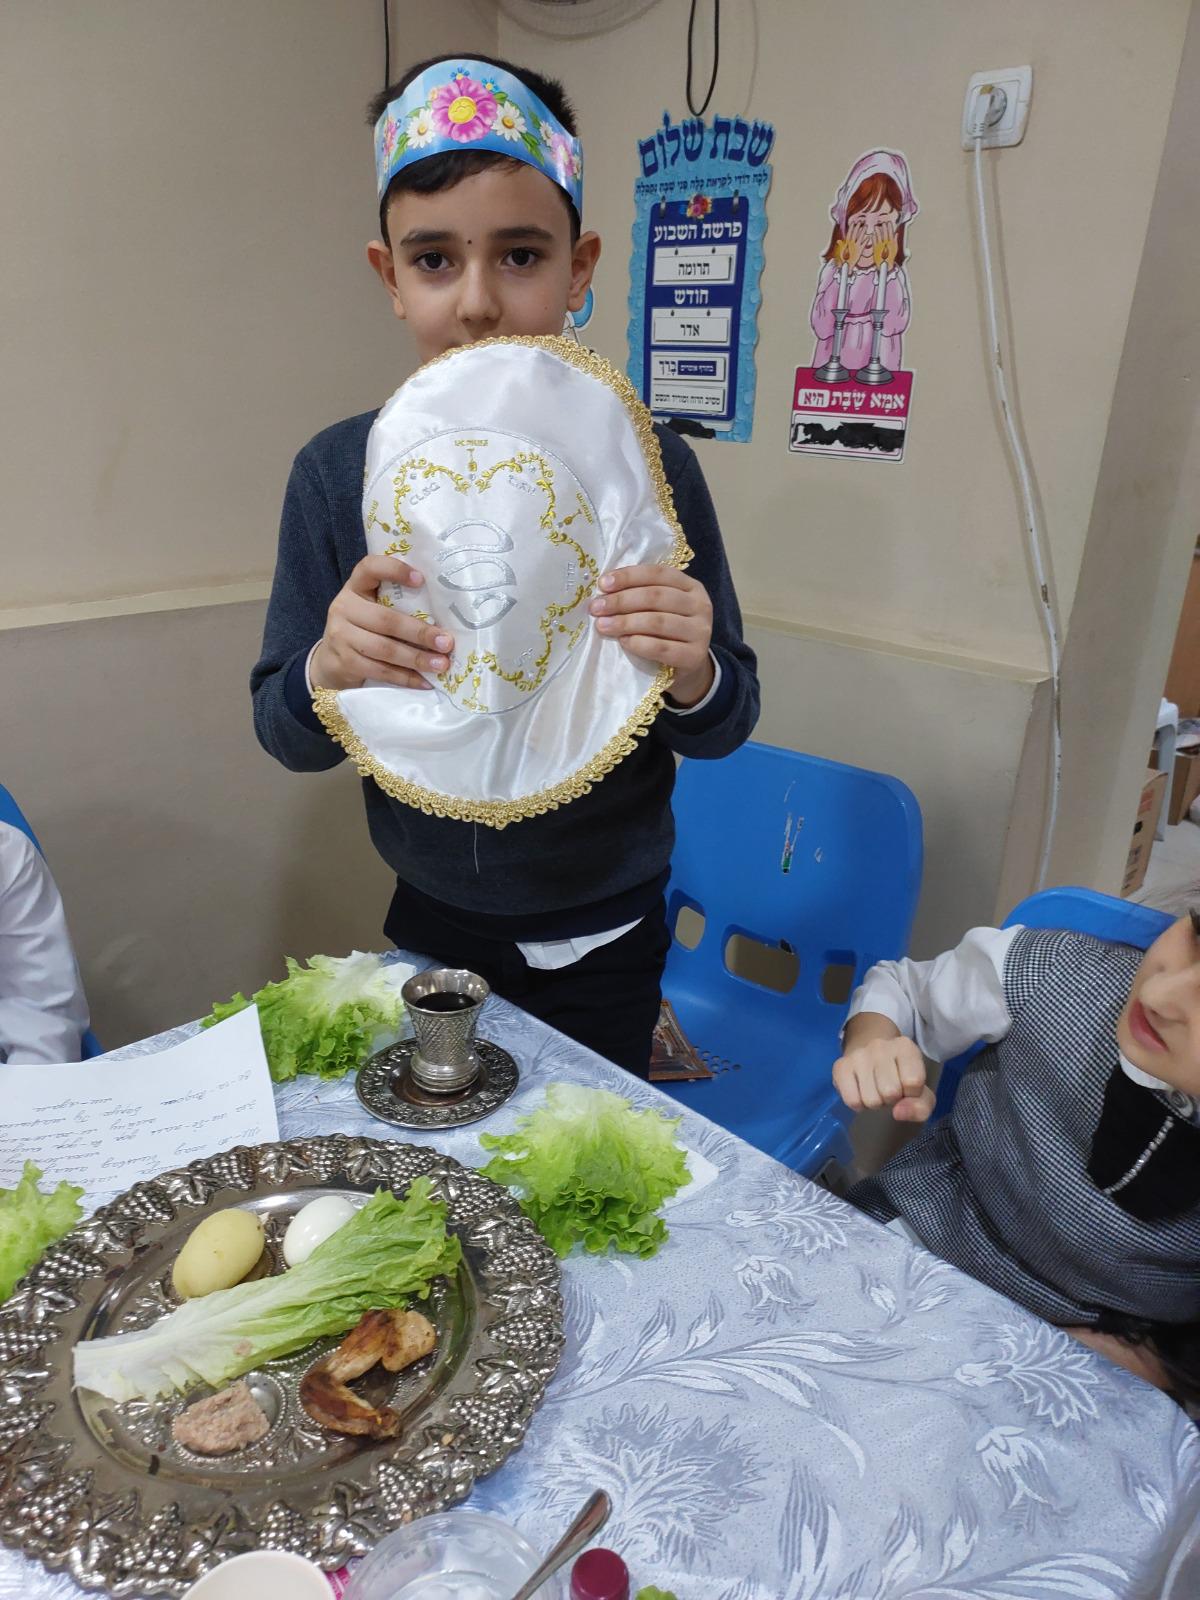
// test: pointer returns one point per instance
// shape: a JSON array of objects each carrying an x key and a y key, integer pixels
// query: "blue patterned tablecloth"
[{"x": 790, "y": 1402}]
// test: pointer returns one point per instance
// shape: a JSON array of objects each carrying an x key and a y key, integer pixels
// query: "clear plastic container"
[{"x": 453, "y": 1555}]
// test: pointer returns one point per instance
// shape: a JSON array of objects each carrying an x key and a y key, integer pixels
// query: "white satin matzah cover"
[{"x": 512, "y": 474}]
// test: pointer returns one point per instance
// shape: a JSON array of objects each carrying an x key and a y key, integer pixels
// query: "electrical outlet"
[{"x": 1009, "y": 109}]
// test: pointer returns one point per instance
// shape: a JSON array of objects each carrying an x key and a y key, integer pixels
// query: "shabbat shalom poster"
[
  {"x": 855, "y": 397},
  {"x": 700, "y": 216}
]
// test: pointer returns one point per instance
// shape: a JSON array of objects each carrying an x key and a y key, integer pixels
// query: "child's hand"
[
  {"x": 660, "y": 614},
  {"x": 885, "y": 1072},
  {"x": 364, "y": 639}
]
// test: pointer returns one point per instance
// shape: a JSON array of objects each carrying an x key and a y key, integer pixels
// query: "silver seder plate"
[{"x": 102, "y": 1492}]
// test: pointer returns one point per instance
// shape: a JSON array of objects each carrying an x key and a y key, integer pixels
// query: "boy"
[
  {"x": 1067, "y": 1175},
  {"x": 564, "y": 913}
]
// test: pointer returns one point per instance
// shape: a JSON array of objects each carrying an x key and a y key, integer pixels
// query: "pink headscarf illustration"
[{"x": 862, "y": 307}]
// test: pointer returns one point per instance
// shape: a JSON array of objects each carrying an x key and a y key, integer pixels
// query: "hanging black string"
[
  {"x": 387, "y": 47},
  {"x": 716, "y": 61}
]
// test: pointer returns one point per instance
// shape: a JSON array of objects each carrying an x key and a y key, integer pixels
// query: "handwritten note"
[{"x": 108, "y": 1124}]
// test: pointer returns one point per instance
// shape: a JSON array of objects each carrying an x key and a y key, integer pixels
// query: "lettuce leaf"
[
  {"x": 29, "y": 1221},
  {"x": 390, "y": 1250},
  {"x": 591, "y": 1169},
  {"x": 653, "y": 1594},
  {"x": 324, "y": 1018}
]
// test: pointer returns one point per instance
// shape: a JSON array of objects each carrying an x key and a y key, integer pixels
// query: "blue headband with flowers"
[{"x": 475, "y": 106}]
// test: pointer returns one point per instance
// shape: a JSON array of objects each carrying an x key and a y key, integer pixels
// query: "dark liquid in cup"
[{"x": 447, "y": 1001}]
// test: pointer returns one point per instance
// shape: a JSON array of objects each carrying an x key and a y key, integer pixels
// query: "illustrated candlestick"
[
  {"x": 833, "y": 371},
  {"x": 875, "y": 372},
  {"x": 881, "y": 278}
]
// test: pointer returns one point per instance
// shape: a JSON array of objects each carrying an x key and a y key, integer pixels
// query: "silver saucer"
[{"x": 386, "y": 1088}]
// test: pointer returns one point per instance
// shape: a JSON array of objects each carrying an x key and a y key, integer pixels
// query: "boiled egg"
[{"x": 313, "y": 1224}]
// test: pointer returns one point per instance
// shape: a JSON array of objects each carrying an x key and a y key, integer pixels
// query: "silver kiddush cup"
[{"x": 444, "y": 1004}]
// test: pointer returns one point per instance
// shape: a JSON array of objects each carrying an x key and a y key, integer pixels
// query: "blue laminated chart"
[{"x": 694, "y": 277}]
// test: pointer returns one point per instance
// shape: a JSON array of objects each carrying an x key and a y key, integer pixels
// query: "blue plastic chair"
[
  {"x": 11, "y": 813},
  {"x": 1081, "y": 911},
  {"x": 807, "y": 856}
]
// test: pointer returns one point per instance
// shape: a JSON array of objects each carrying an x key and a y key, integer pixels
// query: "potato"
[{"x": 219, "y": 1253}]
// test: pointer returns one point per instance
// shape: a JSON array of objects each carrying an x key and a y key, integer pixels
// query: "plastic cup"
[{"x": 452, "y": 1555}]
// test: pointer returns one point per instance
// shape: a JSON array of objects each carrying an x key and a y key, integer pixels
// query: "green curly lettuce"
[
  {"x": 591, "y": 1170},
  {"x": 325, "y": 1018},
  {"x": 31, "y": 1220},
  {"x": 653, "y": 1594}
]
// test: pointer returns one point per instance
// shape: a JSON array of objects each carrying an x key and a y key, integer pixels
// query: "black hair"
[
  {"x": 1176, "y": 1344},
  {"x": 444, "y": 170}
]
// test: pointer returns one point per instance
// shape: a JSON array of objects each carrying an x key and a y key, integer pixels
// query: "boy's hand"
[
  {"x": 660, "y": 614},
  {"x": 885, "y": 1072},
  {"x": 363, "y": 639}
]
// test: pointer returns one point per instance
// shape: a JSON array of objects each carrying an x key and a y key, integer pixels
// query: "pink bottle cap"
[{"x": 600, "y": 1575}]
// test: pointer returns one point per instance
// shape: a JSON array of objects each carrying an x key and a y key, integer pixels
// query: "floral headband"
[{"x": 475, "y": 106}]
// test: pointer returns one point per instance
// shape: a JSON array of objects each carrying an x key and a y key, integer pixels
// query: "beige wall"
[
  {"x": 190, "y": 863},
  {"x": 188, "y": 188},
  {"x": 191, "y": 186},
  {"x": 925, "y": 559},
  {"x": 1145, "y": 518}
]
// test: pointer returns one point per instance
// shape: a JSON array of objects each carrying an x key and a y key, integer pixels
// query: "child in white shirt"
[{"x": 43, "y": 1014}]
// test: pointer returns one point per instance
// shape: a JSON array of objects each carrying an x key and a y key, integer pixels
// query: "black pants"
[{"x": 608, "y": 1001}]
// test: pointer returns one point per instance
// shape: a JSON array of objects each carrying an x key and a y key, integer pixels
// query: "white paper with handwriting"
[{"x": 109, "y": 1124}]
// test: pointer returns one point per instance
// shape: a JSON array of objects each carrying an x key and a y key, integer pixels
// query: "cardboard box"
[
  {"x": 1153, "y": 792},
  {"x": 1185, "y": 784}
]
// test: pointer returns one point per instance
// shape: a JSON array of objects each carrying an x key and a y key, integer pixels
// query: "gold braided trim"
[
  {"x": 493, "y": 813},
  {"x": 499, "y": 813}
]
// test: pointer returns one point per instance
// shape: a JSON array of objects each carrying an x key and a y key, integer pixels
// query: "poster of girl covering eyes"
[{"x": 854, "y": 399}]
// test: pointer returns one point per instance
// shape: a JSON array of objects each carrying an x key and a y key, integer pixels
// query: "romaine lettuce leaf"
[{"x": 390, "y": 1250}]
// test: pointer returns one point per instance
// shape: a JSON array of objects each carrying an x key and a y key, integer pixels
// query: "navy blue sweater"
[{"x": 591, "y": 865}]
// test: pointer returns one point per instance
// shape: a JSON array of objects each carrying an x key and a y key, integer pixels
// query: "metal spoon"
[{"x": 581, "y": 1532}]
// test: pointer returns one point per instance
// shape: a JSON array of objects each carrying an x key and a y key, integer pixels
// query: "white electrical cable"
[{"x": 1032, "y": 530}]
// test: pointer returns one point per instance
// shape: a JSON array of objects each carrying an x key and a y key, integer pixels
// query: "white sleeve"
[
  {"x": 688, "y": 711},
  {"x": 308, "y": 683},
  {"x": 43, "y": 1014},
  {"x": 946, "y": 1004}
]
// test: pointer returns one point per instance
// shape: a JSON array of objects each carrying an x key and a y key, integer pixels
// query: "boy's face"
[
  {"x": 491, "y": 256},
  {"x": 1159, "y": 1029}
]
